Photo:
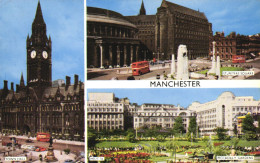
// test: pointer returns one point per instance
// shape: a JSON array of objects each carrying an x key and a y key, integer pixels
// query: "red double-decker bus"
[
  {"x": 238, "y": 59},
  {"x": 139, "y": 68},
  {"x": 45, "y": 137}
]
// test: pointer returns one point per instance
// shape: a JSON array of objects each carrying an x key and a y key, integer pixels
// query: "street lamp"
[{"x": 158, "y": 54}]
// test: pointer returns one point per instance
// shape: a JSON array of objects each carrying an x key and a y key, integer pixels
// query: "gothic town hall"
[{"x": 40, "y": 105}]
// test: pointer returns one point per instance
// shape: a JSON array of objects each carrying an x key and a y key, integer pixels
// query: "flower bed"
[
  {"x": 218, "y": 144},
  {"x": 255, "y": 153},
  {"x": 127, "y": 157}
]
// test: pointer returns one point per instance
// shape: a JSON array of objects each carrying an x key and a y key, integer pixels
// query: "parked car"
[
  {"x": 68, "y": 161},
  {"x": 24, "y": 146},
  {"x": 31, "y": 147},
  {"x": 29, "y": 141},
  {"x": 9, "y": 144},
  {"x": 40, "y": 149}
]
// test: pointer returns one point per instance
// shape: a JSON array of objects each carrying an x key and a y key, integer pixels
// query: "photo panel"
[
  {"x": 172, "y": 40},
  {"x": 42, "y": 81},
  {"x": 173, "y": 125}
]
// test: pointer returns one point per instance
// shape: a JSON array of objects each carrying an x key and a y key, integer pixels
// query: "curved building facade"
[{"x": 111, "y": 39}]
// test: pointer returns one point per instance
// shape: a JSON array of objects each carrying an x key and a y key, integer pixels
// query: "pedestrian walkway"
[{"x": 54, "y": 140}]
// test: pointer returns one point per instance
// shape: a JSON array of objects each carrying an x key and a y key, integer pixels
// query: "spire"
[
  {"x": 22, "y": 81},
  {"x": 142, "y": 9},
  {"x": 38, "y": 16}
]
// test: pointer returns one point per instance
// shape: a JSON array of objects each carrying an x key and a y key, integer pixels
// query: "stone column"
[
  {"x": 110, "y": 56},
  {"x": 118, "y": 55},
  {"x": 136, "y": 53},
  {"x": 125, "y": 55},
  {"x": 101, "y": 56},
  {"x": 218, "y": 68},
  {"x": 132, "y": 53},
  {"x": 95, "y": 56},
  {"x": 105, "y": 30},
  {"x": 213, "y": 66},
  {"x": 111, "y": 31},
  {"x": 120, "y": 32},
  {"x": 173, "y": 65}
]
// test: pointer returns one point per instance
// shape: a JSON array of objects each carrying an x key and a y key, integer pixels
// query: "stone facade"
[
  {"x": 105, "y": 112},
  {"x": 149, "y": 115},
  {"x": 37, "y": 106},
  {"x": 111, "y": 39},
  {"x": 223, "y": 111},
  {"x": 171, "y": 26},
  {"x": 235, "y": 44}
]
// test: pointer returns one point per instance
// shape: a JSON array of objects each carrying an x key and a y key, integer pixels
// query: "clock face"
[
  {"x": 33, "y": 54},
  {"x": 45, "y": 54}
]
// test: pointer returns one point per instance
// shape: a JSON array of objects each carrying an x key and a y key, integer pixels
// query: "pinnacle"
[{"x": 38, "y": 16}]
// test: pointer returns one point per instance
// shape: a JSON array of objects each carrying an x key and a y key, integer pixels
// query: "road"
[
  {"x": 56, "y": 146},
  {"x": 108, "y": 74}
]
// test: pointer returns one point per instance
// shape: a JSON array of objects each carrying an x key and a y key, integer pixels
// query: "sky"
[
  {"x": 241, "y": 16},
  {"x": 182, "y": 96},
  {"x": 65, "y": 25}
]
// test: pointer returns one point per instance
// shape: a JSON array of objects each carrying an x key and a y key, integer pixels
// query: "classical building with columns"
[
  {"x": 117, "y": 40},
  {"x": 111, "y": 39},
  {"x": 42, "y": 106}
]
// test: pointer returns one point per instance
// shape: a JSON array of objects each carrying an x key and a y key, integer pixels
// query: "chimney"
[
  {"x": 17, "y": 88},
  {"x": 76, "y": 81},
  {"x": 12, "y": 86},
  {"x": 67, "y": 82},
  {"x": 5, "y": 85}
]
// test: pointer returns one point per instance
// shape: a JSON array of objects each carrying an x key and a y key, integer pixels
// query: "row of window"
[
  {"x": 246, "y": 109},
  {"x": 104, "y": 110},
  {"x": 96, "y": 30},
  {"x": 105, "y": 116},
  {"x": 96, "y": 123},
  {"x": 102, "y": 104}
]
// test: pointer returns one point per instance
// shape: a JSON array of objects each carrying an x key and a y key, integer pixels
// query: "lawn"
[{"x": 153, "y": 144}]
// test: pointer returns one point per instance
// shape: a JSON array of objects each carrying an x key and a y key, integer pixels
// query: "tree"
[
  {"x": 248, "y": 124},
  {"x": 235, "y": 130},
  {"x": 258, "y": 129},
  {"x": 221, "y": 132},
  {"x": 192, "y": 126},
  {"x": 131, "y": 136},
  {"x": 178, "y": 126},
  {"x": 91, "y": 137}
]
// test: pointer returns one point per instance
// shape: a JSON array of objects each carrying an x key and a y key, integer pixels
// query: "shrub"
[{"x": 67, "y": 151}]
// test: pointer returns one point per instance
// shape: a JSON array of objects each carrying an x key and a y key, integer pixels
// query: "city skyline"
[
  {"x": 183, "y": 97},
  {"x": 227, "y": 16},
  {"x": 65, "y": 25}
]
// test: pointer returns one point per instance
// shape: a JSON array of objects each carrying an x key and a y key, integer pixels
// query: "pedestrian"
[
  {"x": 158, "y": 76},
  {"x": 165, "y": 75},
  {"x": 40, "y": 157}
]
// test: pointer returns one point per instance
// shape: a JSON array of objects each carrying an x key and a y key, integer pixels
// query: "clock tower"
[{"x": 39, "y": 64}]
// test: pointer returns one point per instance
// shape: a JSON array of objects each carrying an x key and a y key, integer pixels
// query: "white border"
[{"x": 102, "y": 84}]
